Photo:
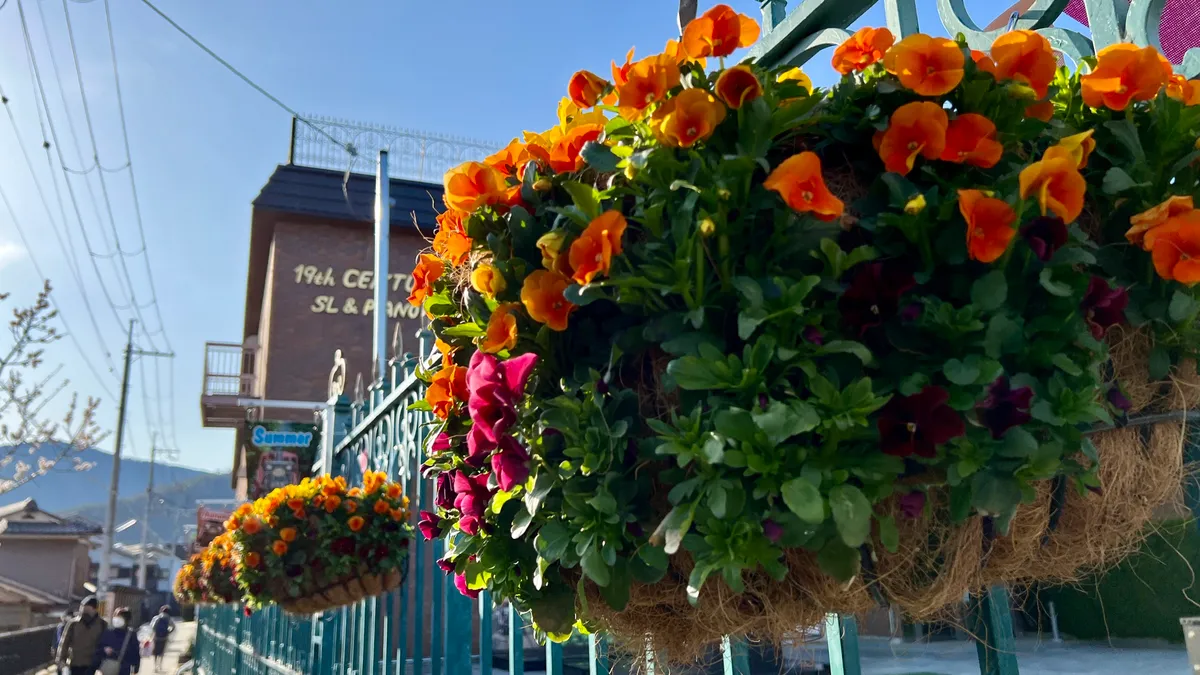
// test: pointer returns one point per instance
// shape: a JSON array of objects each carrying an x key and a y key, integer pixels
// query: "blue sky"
[{"x": 203, "y": 143}]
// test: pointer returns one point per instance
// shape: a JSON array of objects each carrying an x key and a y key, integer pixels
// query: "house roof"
[
  {"x": 16, "y": 592},
  {"x": 24, "y": 518}
]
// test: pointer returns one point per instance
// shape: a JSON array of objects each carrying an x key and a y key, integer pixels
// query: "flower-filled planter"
[
  {"x": 208, "y": 577},
  {"x": 319, "y": 545},
  {"x": 723, "y": 352}
]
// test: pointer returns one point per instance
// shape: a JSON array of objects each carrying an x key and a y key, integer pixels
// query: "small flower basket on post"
[
  {"x": 318, "y": 545},
  {"x": 723, "y": 352},
  {"x": 208, "y": 576}
]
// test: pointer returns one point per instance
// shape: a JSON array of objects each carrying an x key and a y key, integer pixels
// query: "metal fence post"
[
  {"x": 991, "y": 622},
  {"x": 841, "y": 635}
]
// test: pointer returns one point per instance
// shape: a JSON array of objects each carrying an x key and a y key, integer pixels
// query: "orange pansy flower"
[
  {"x": 381, "y": 507},
  {"x": 511, "y": 159},
  {"x": 288, "y": 534},
  {"x": 565, "y": 156},
  {"x": 428, "y": 270},
  {"x": 585, "y": 88},
  {"x": 488, "y": 280},
  {"x": 332, "y": 503},
  {"x": 252, "y": 560},
  {"x": 1080, "y": 146},
  {"x": 984, "y": 62},
  {"x": 542, "y": 295},
  {"x": 620, "y": 74},
  {"x": 1124, "y": 73},
  {"x": 989, "y": 224},
  {"x": 737, "y": 86},
  {"x": 647, "y": 82},
  {"x": 279, "y": 547},
  {"x": 356, "y": 523},
  {"x": 1056, "y": 183},
  {"x": 471, "y": 185},
  {"x": 351, "y": 506},
  {"x": 591, "y": 253},
  {"x": 675, "y": 50},
  {"x": 252, "y": 526},
  {"x": 354, "y": 492},
  {"x": 399, "y": 515},
  {"x": 1175, "y": 248},
  {"x": 1157, "y": 216},
  {"x": 447, "y": 386},
  {"x": 929, "y": 66},
  {"x": 394, "y": 491},
  {"x": 501, "y": 329},
  {"x": 687, "y": 118},
  {"x": 718, "y": 32},
  {"x": 1026, "y": 57},
  {"x": 1184, "y": 90},
  {"x": 1043, "y": 110},
  {"x": 295, "y": 504},
  {"x": 863, "y": 49},
  {"x": 917, "y": 128},
  {"x": 971, "y": 138},
  {"x": 799, "y": 182},
  {"x": 451, "y": 241}
]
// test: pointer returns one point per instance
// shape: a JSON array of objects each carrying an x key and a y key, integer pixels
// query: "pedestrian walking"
[
  {"x": 117, "y": 652},
  {"x": 77, "y": 649},
  {"x": 160, "y": 627}
]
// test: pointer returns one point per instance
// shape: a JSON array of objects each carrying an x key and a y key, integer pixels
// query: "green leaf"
[
  {"x": 1046, "y": 279},
  {"x": 616, "y": 593},
  {"x": 1182, "y": 307},
  {"x": 654, "y": 556},
  {"x": 994, "y": 494},
  {"x": 713, "y": 449},
  {"x": 603, "y": 502},
  {"x": 750, "y": 290},
  {"x": 1117, "y": 181},
  {"x": 839, "y": 561},
  {"x": 889, "y": 536},
  {"x": 804, "y": 499},
  {"x": 749, "y": 321},
  {"x": 1044, "y": 411},
  {"x": 1126, "y": 134},
  {"x": 961, "y": 372},
  {"x": 583, "y": 295},
  {"x": 1004, "y": 336},
  {"x": 693, "y": 373},
  {"x": 1017, "y": 443},
  {"x": 1066, "y": 365},
  {"x": 696, "y": 580},
  {"x": 552, "y": 540},
  {"x": 593, "y": 566},
  {"x": 848, "y": 347},
  {"x": 736, "y": 424},
  {"x": 716, "y": 501},
  {"x": 851, "y": 514},
  {"x": 990, "y": 292},
  {"x": 599, "y": 156},
  {"x": 469, "y": 330},
  {"x": 1160, "y": 363},
  {"x": 671, "y": 530},
  {"x": 586, "y": 197},
  {"x": 520, "y": 523},
  {"x": 781, "y": 421}
]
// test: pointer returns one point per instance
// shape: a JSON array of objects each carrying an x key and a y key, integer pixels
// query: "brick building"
[{"x": 309, "y": 292}]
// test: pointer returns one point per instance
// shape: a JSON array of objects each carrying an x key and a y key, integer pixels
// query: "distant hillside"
[{"x": 85, "y": 493}]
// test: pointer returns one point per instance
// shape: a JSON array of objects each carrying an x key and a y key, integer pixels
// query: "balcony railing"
[{"x": 229, "y": 369}]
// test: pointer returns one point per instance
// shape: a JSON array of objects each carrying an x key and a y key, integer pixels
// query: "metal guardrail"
[
  {"x": 229, "y": 369},
  {"x": 26, "y": 650}
]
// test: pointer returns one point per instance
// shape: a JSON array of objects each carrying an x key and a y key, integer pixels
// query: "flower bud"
[
  {"x": 707, "y": 227},
  {"x": 915, "y": 205},
  {"x": 542, "y": 185}
]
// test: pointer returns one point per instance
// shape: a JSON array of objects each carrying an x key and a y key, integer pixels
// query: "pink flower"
[
  {"x": 494, "y": 389},
  {"x": 460, "y": 582},
  {"x": 479, "y": 446},
  {"x": 471, "y": 494},
  {"x": 441, "y": 444},
  {"x": 511, "y": 464},
  {"x": 446, "y": 566}
]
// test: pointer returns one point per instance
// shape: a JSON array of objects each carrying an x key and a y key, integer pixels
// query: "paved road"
[
  {"x": 1034, "y": 657},
  {"x": 183, "y": 636}
]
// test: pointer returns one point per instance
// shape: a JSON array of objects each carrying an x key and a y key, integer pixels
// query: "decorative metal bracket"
[{"x": 337, "y": 375}]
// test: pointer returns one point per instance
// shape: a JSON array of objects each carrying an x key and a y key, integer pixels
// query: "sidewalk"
[{"x": 184, "y": 635}]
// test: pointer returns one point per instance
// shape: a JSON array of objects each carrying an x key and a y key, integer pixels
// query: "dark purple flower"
[
  {"x": 446, "y": 566},
  {"x": 510, "y": 464},
  {"x": 1103, "y": 306},
  {"x": 342, "y": 546},
  {"x": 294, "y": 570},
  {"x": 1004, "y": 407},
  {"x": 764, "y": 401},
  {"x": 444, "y": 491},
  {"x": 911, "y": 312},
  {"x": 873, "y": 295},
  {"x": 917, "y": 424},
  {"x": 441, "y": 444},
  {"x": 772, "y": 530},
  {"x": 430, "y": 525},
  {"x": 1045, "y": 235},
  {"x": 494, "y": 389},
  {"x": 635, "y": 530},
  {"x": 813, "y": 335},
  {"x": 912, "y": 504},
  {"x": 1118, "y": 400},
  {"x": 460, "y": 582},
  {"x": 471, "y": 494}
]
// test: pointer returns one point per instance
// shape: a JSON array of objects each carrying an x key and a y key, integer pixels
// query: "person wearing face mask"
[
  {"x": 117, "y": 652},
  {"x": 78, "y": 648}
]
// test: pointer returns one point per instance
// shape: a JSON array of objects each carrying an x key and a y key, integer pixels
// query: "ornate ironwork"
[
  {"x": 337, "y": 375},
  {"x": 412, "y": 154}
]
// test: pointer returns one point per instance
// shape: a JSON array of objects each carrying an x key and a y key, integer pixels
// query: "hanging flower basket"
[
  {"x": 724, "y": 352},
  {"x": 319, "y": 545},
  {"x": 208, "y": 576}
]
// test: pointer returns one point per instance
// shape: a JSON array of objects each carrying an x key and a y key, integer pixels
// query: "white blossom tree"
[{"x": 31, "y": 443}]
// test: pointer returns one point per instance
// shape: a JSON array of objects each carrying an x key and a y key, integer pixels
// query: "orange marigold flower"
[
  {"x": 1157, "y": 216},
  {"x": 488, "y": 280},
  {"x": 647, "y": 82},
  {"x": 511, "y": 159},
  {"x": 688, "y": 118},
  {"x": 1080, "y": 146},
  {"x": 448, "y": 386},
  {"x": 737, "y": 86},
  {"x": 331, "y": 488},
  {"x": 428, "y": 270},
  {"x": 1184, "y": 90},
  {"x": 381, "y": 507},
  {"x": 354, "y": 492},
  {"x": 252, "y": 525},
  {"x": 295, "y": 504},
  {"x": 1124, "y": 73},
  {"x": 565, "y": 155},
  {"x": 398, "y": 515},
  {"x": 501, "y": 331},
  {"x": 279, "y": 547},
  {"x": 332, "y": 502},
  {"x": 971, "y": 138},
  {"x": 1175, "y": 248},
  {"x": 989, "y": 224},
  {"x": 929, "y": 66},
  {"x": 585, "y": 88},
  {"x": 542, "y": 295},
  {"x": 351, "y": 506},
  {"x": 799, "y": 182},
  {"x": 718, "y": 32},
  {"x": 451, "y": 241},
  {"x": 1043, "y": 110},
  {"x": 394, "y": 491},
  {"x": 252, "y": 560},
  {"x": 984, "y": 62},
  {"x": 917, "y": 128},
  {"x": 471, "y": 185},
  {"x": 591, "y": 253},
  {"x": 1026, "y": 57},
  {"x": 1056, "y": 183},
  {"x": 356, "y": 523},
  {"x": 288, "y": 534},
  {"x": 862, "y": 50}
]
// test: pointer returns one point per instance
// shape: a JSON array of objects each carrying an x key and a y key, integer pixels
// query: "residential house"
[{"x": 43, "y": 564}]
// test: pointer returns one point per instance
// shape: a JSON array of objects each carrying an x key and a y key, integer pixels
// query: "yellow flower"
[
  {"x": 915, "y": 205},
  {"x": 798, "y": 76},
  {"x": 488, "y": 280},
  {"x": 551, "y": 244}
]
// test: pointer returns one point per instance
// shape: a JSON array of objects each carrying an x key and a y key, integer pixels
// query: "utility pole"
[
  {"x": 142, "y": 574},
  {"x": 383, "y": 228},
  {"x": 110, "y": 517}
]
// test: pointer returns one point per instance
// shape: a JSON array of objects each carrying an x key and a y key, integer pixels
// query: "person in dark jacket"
[
  {"x": 120, "y": 643},
  {"x": 160, "y": 627},
  {"x": 77, "y": 649}
]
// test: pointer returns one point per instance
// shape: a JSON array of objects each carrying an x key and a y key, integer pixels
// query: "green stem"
[
  {"x": 723, "y": 255},
  {"x": 700, "y": 257}
]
